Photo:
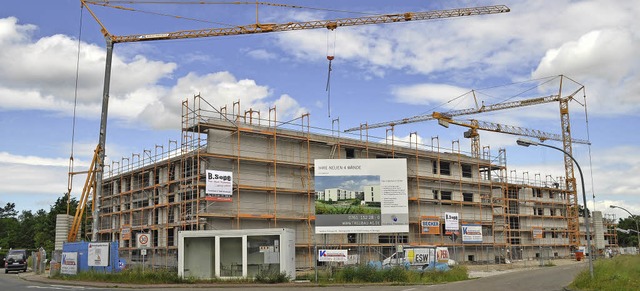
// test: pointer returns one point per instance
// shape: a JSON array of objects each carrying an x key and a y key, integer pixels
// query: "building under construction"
[{"x": 163, "y": 192}]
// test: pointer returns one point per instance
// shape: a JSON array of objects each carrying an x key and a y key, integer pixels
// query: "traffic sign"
[{"x": 143, "y": 240}]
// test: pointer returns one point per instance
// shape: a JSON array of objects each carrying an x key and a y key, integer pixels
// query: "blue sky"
[{"x": 380, "y": 73}]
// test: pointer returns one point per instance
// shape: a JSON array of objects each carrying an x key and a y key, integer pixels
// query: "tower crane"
[
  {"x": 254, "y": 28},
  {"x": 565, "y": 125},
  {"x": 474, "y": 125},
  {"x": 467, "y": 111}
]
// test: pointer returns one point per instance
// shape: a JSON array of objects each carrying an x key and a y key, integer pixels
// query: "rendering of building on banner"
[
  {"x": 240, "y": 169},
  {"x": 375, "y": 201}
]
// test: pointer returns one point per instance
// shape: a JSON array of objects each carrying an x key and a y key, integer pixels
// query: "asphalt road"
[{"x": 547, "y": 278}]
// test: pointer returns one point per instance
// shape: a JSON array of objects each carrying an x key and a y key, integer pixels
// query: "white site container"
[{"x": 241, "y": 253}]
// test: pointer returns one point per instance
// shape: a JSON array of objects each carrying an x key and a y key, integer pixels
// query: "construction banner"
[
  {"x": 536, "y": 232},
  {"x": 219, "y": 186},
  {"x": 471, "y": 233},
  {"x": 125, "y": 233},
  {"x": 451, "y": 221},
  {"x": 430, "y": 225}
]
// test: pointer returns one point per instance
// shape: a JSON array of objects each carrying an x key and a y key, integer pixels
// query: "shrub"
[{"x": 272, "y": 276}]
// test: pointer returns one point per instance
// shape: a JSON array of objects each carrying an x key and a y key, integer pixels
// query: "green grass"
[
  {"x": 619, "y": 273},
  {"x": 130, "y": 276},
  {"x": 397, "y": 275},
  {"x": 360, "y": 274},
  {"x": 326, "y": 208},
  {"x": 162, "y": 276}
]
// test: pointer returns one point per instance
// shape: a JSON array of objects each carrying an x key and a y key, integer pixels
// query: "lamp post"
[
  {"x": 635, "y": 218},
  {"x": 526, "y": 143}
]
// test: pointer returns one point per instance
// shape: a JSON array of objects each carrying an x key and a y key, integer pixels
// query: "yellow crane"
[
  {"x": 466, "y": 111},
  {"x": 474, "y": 125},
  {"x": 254, "y": 28},
  {"x": 565, "y": 125}
]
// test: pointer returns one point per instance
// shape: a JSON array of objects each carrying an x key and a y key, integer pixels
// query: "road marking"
[{"x": 63, "y": 287}]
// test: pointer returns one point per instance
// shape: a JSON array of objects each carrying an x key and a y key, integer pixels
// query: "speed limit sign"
[{"x": 143, "y": 240}]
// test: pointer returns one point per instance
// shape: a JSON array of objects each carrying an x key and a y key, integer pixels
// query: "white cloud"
[
  {"x": 9, "y": 158},
  {"x": 40, "y": 75},
  {"x": 30, "y": 178},
  {"x": 261, "y": 54},
  {"x": 432, "y": 94},
  {"x": 592, "y": 41}
]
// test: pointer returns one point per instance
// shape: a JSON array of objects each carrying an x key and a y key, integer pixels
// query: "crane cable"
[
  {"x": 75, "y": 105},
  {"x": 330, "y": 57},
  {"x": 586, "y": 117}
]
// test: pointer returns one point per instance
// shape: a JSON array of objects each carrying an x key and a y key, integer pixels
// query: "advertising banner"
[
  {"x": 537, "y": 232},
  {"x": 471, "y": 233},
  {"x": 125, "y": 234},
  {"x": 430, "y": 225},
  {"x": 98, "y": 255},
  {"x": 333, "y": 256},
  {"x": 69, "y": 264},
  {"x": 442, "y": 255},
  {"x": 451, "y": 221},
  {"x": 361, "y": 196},
  {"x": 219, "y": 186}
]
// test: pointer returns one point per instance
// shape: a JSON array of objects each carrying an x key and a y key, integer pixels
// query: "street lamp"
[
  {"x": 526, "y": 143},
  {"x": 635, "y": 219}
]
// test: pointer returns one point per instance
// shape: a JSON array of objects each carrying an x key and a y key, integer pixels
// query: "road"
[{"x": 547, "y": 278}]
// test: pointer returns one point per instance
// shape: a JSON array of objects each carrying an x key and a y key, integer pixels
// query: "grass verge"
[
  {"x": 163, "y": 276},
  {"x": 399, "y": 275},
  {"x": 358, "y": 274},
  {"x": 619, "y": 273},
  {"x": 129, "y": 276}
]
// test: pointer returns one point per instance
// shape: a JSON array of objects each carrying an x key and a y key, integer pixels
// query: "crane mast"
[{"x": 241, "y": 30}]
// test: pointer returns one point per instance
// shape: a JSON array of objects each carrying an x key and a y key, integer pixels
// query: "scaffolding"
[{"x": 163, "y": 192}]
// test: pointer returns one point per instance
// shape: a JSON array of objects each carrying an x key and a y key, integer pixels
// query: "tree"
[
  {"x": 581, "y": 211},
  {"x": 29, "y": 230},
  {"x": 8, "y": 227},
  {"x": 630, "y": 239},
  {"x": 8, "y": 211}
]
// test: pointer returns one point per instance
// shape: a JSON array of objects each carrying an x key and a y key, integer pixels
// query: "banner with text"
[
  {"x": 219, "y": 186},
  {"x": 430, "y": 225},
  {"x": 361, "y": 196},
  {"x": 451, "y": 221},
  {"x": 537, "y": 232},
  {"x": 333, "y": 256},
  {"x": 471, "y": 233},
  {"x": 98, "y": 255},
  {"x": 69, "y": 264}
]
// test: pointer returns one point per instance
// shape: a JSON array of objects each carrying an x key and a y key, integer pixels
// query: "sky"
[{"x": 52, "y": 65}]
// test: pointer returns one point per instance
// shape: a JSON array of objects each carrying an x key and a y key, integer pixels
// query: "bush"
[
  {"x": 272, "y": 277},
  {"x": 396, "y": 274},
  {"x": 370, "y": 274}
]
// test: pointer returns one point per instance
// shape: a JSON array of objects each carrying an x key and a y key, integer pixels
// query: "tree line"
[{"x": 29, "y": 230}]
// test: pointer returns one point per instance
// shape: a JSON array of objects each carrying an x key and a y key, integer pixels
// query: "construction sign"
[
  {"x": 219, "y": 186},
  {"x": 430, "y": 225},
  {"x": 536, "y": 232},
  {"x": 333, "y": 255},
  {"x": 125, "y": 233},
  {"x": 143, "y": 240},
  {"x": 451, "y": 221}
]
